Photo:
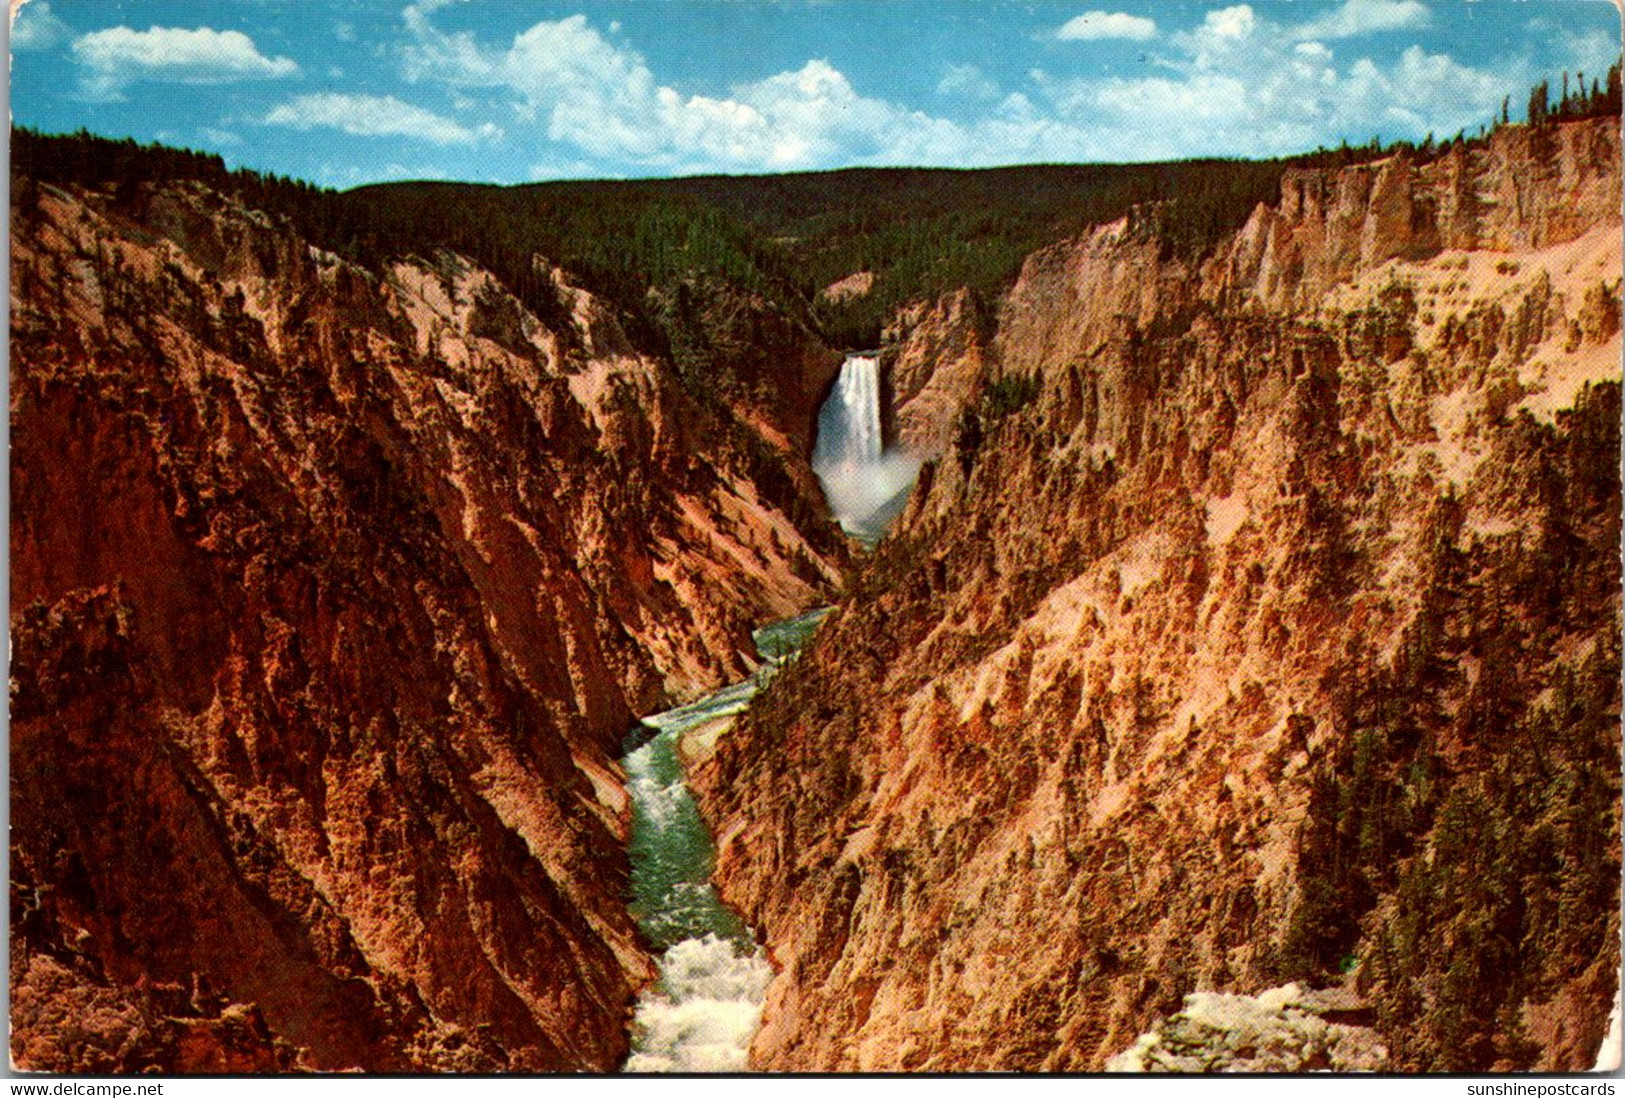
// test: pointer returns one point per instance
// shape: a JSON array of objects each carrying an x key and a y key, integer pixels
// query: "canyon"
[
  {"x": 1256, "y": 620},
  {"x": 1250, "y": 639},
  {"x": 334, "y": 593}
]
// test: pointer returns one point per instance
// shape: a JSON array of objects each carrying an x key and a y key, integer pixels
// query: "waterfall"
[
  {"x": 849, "y": 421},
  {"x": 866, "y": 484}
]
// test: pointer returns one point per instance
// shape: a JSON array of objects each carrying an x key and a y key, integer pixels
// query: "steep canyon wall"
[
  {"x": 333, "y": 594},
  {"x": 1258, "y": 622}
]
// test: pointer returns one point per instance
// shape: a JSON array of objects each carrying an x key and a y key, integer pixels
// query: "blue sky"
[{"x": 343, "y": 93}]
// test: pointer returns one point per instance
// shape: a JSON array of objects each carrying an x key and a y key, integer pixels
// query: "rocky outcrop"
[
  {"x": 1282, "y": 1029},
  {"x": 936, "y": 356},
  {"x": 334, "y": 592},
  {"x": 1523, "y": 189},
  {"x": 773, "y": 368},
  {"x": 69, "y": 1019},
  {"x": 1260, "y": 625},
  {"x": 856, "y": 284}
]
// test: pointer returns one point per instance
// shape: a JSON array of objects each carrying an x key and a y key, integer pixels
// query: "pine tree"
[{"x": 1537, "y": 103}]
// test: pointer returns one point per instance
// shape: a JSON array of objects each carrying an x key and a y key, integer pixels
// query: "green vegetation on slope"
[
  {"x": 1461, "y": 855},
  {"x": 919, "y": 232}
]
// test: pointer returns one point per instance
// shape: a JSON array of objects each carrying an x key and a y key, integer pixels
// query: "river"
[{"x": 703, "y": 1011}]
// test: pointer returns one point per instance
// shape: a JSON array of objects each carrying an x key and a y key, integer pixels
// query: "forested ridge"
[{"x": 919, "y": 232}]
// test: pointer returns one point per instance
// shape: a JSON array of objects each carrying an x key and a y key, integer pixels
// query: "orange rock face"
[
  {"x": 1258, "y": 624},
  {"x": 937, "y": 357},
  {"x": 333, "y": 595}
]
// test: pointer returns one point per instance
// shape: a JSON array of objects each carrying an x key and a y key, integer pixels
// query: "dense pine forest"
[{"x": 917, "y": 231}]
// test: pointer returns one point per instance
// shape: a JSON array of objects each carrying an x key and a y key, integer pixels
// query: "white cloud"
[
  {"x": 373, "y": 116},
  {"x": 1241, "y": 84},
  {"x": 1230, "y": 24},
  {"x": 1357, "y": 17},
  {"x": 604, "y": 101},
  {"x": 112, "y": 59},
  {"x": 1237, "y": 22},
  {"x": 1223, "y": 39},
  {"x": 35, "y": 27},
  {"x": 1422, "y": 92},
  {"x": 352, "y": 173},
  {"x": 967, "y": 81},
  {"x": 1094, "y": 25},
  {"x": 1591, "y": 52},
  {"x": 1235, "y": 83}
]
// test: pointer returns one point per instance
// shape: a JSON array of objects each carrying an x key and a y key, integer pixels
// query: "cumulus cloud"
[
  {"x": 602, "y": 99},
  {"x": 112, "y": 59},
  {"x": 373, "y": 116},
  {"x": 1409, "y": 94},
  {"x": 1094, "y": 25},
  {"x": 1234, "y": 83},
  {"x": 35, "y": 27},
  {"x": 1230, "y": 24},
  {"x": 967, "y": 81},
  {"x": 1357, "y": 17},
  {"x": 592, "y": 93},
  {"x": 1242, "y": 84},
  {"x": 1221, "y": 37},
  {"x": 1224, "y": 39}
]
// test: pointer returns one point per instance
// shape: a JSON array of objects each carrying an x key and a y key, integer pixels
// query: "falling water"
[
  {"x": 849, "y": 421},
  {"x": 866, "y": 484}
]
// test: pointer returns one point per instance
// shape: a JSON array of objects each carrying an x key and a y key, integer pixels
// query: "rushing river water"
[{"x": 704, "y": 1010}]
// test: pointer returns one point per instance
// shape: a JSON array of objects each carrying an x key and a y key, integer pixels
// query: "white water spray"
[
  {"x": 706, "y": 1010},
  {"x": 867, "y": 485}
]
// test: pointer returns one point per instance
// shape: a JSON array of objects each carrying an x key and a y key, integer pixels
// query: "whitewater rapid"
[{"x": 703, "y": 1011}]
